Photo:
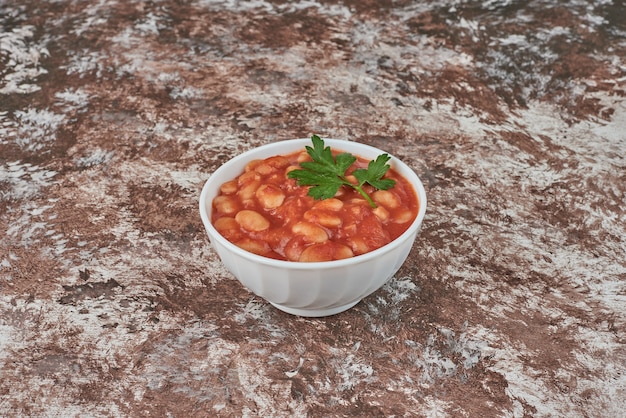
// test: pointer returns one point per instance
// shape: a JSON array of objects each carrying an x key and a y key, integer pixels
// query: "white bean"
[
  {"x": 251, "y": 220},
  {"x": 277, "y": 161},
  {"x": 381, "y": 213},
  {"x": 342, "y": 251},
  {"x": 358, "y": 245},
  {"x": 225, "y": 223},
  {"x": 329, "y": 204},
  {"x": 225, "y": 204},
  {"x": 270, "y": 196},
  {"x": 386, "y": 198},
  {"x": 228, "y": 227},
  {"x": 323, "y": 218},
  {"x": 316, "y": 252},
  {"x": 253, "y": 245},
  {"x": 291, "y": 168},
  {"x": 247, "y": 191},
  {"x": 229, "y": 187},
  {"x": 247, "y": 177},
  {"x": 403, "y": 216},
  {"x": 303, "y": 156},
  {"x": 352, "y": 179},
  {"x": 311, "y": 232},
  {"x": 252, "y": 165},
  {"x": 294, "y": 248},
  {"x": 325, "y": 252},
  {"x": 264, "y": 169}
]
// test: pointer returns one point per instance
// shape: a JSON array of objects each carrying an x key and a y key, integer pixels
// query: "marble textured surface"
[{"x": 113, "y": 113}]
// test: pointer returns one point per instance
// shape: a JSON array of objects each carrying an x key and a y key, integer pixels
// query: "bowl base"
[{"x": 315, "y": 312}]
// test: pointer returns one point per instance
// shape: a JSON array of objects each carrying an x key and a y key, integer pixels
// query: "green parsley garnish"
[{"x": 327, "y": 173}]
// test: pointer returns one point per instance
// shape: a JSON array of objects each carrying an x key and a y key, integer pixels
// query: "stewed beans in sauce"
[{"x": 265, "y": 212}]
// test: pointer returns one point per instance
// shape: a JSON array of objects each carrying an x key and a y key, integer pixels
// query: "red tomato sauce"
[{"x": 265, "y": 212}]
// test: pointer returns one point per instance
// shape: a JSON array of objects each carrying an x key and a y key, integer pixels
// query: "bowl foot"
[{"x": 315, "y": 312}]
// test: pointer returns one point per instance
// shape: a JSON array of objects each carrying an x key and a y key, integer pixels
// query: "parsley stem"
[
  {"x": 359, "y": 189},
  {"x": 366, "y": 196}
]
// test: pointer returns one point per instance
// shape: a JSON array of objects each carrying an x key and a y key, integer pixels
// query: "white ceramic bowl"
[{"x": 311, "y": 289}]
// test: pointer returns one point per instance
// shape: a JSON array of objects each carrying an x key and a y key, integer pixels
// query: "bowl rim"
[{"x": 413, "y": 179}]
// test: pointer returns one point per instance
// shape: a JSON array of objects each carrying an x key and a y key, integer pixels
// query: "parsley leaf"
[
  {"x": 375, "y": 171},
  {"x": 327, "y": 173}
]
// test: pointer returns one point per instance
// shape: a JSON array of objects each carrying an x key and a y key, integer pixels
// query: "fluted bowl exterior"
[{"x": 318, "y": 288}]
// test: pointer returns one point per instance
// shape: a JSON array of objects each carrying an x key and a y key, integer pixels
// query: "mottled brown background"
[{"x": 114, "y": 113}]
